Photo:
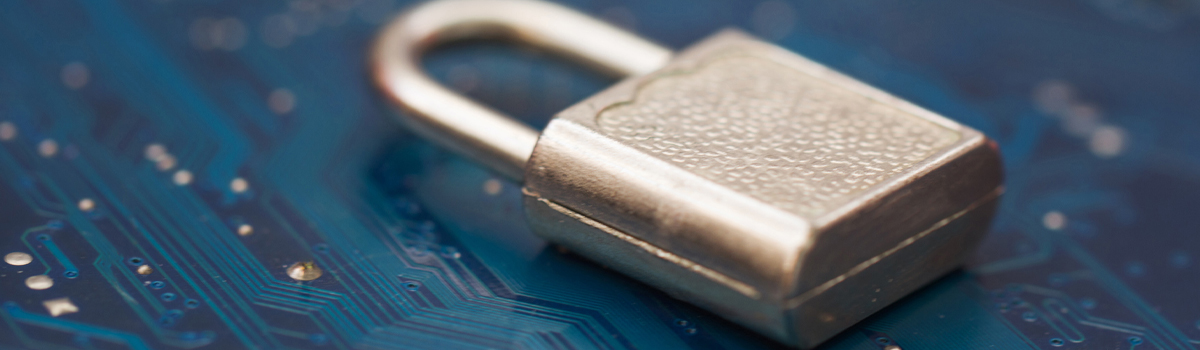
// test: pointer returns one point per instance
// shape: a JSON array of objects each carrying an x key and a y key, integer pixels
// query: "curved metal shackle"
[{"x": 471, "y": 129}]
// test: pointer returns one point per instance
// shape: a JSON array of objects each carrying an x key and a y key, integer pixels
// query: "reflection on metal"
[{"x": 304, "y": 271}]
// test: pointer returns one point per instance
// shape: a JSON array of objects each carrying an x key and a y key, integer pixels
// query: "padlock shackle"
[{"x": 469, "y": 128}]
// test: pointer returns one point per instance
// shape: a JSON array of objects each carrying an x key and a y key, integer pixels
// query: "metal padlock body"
[
  {"x": 736, "y": 175},
  {"x": 763, "y": 186}
]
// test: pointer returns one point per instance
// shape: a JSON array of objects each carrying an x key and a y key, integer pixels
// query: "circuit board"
[{"x": 220, "y": 174}]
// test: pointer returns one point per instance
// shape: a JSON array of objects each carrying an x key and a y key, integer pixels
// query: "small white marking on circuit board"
[
  {"x": 39, "y": 282},
  {"x": 155, "y": 151},
  {"x": 8, "y": 131},
  {"x": 1107, "y": 141},
  {"x": 165, "y": 163},
  {"x": 1054, "y": 220},
  {"x": 60, "y": 306},
  {"x": 18, "y": 258},
  {"x": 1080, "y": 118},
  {"x": 48, "y": 148},
  {"x": 182, "y": 177},
  {"x": 245, "y": 230},
  {"x": 87, "y": 205},
  {"x": 239, "y": 185},
  {"x": 158, "y": 154}
]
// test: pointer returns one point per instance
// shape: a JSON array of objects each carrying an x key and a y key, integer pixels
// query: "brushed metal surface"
[{"x": 787, "y": 138}]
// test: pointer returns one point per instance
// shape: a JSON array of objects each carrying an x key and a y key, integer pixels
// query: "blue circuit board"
[{"x": 168, "y": 167}]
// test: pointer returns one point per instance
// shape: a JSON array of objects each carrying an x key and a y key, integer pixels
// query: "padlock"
[{"x": 736, "y": 175}]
